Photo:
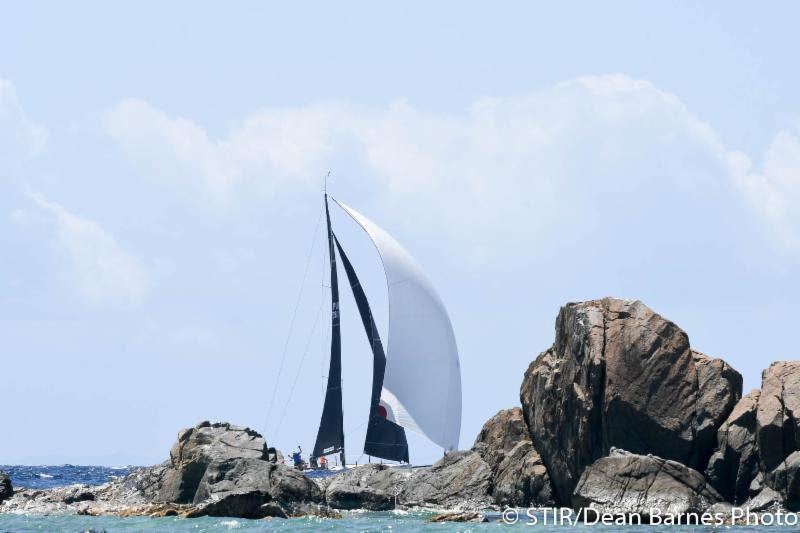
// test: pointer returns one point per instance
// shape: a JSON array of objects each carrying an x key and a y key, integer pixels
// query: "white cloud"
[
  {"x": 19, "y": 135},
  {"x": 775, "y": 193},
  {"x": 505, "y": 168},
  {"x": 104, "y": 272}
]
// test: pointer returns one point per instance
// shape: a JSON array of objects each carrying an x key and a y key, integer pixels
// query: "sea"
[{"x": 42, "y": 477}]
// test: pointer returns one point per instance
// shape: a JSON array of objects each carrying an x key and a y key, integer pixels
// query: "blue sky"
[{"x": 160, "y": 181}]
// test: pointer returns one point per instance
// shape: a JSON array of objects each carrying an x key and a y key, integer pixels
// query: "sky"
[{"x": 161, "y": 172}]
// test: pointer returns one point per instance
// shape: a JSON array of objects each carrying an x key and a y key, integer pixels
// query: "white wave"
[{"x": 45, "y": 476}]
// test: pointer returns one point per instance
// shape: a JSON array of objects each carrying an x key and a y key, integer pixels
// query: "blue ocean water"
[
  {"x": 412, "y": 521},
  {"x": 45, "y": 477}
]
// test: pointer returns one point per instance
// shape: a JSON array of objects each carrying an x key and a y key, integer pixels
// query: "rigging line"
[
  {"x": 299, "y": 370},
  {"x": 291, "y": 323}
]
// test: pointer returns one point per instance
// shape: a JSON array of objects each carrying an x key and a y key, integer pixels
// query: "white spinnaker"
[{"x": 422, "y": 382}]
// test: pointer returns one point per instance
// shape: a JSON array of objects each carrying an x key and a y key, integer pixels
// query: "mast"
[{"x": 330, "y": 436}]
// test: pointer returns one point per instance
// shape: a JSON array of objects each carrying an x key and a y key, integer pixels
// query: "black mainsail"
[
  {"x": 385, "y": 439},
  {"x": 330, "y": 437}
]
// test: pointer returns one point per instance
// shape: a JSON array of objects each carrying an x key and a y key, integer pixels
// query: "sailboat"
[{"x": 416, "y": 382}]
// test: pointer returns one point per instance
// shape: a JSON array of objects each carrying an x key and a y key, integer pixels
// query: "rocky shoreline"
[{"x": 619, "y": 416}]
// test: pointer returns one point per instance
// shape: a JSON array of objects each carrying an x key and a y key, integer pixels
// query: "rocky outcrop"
[
  {"x": 629, "y": 484},
  {"x": 214, "y": 470},
  {"x": 620, "y": 375},
  {"x": 519, "y": 477},
  {"x": 461, "y": 480},
  {"x": 734, "y": 464},
  {"x": 6, "y": 490},
  {"x": 198, "y": 447},
  {"x": 758, "y": 446},
  {"x": 373, "y": 487}
]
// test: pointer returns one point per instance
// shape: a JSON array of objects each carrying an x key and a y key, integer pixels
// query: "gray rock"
[
  {"x": 372, "y": 486},
  {"x": 757, "y": 446},
  {"x": 620, "y": 375},
  {"x": 6, "y": 490},
  {"x": 734, "y": 464},
  {"x": 719, "y": 389},
  {"x": 459, "y": 480},
  {"x": 198, "y": 447},
  {"x": 276, "y": 482},
  {"x": 766, "y": 500},
  {"x": 778, "y": 414},
  {"x": 785, "y": 480},
  {"x": 519, "y": 477},
  {"x": 625, "y": 483}
]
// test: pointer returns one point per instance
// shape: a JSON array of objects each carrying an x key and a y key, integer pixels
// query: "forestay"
[{"x": 422, "y": 383}]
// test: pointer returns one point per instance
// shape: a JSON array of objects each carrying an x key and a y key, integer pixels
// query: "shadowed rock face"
[
  {"x": 519, "y": 477},
  {"x": 758, "y": 445},
  {"x": 620, "y": 375},
  {"x": 6, "y": 490},
  {"x": 734, "y": 464},
  {"x": 624, "y": 483}
]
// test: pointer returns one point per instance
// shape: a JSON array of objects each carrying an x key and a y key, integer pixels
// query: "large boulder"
[
  {"x": 623, "y": 483},
  {"x": 6, "y": 490},
  {"x": 620, "y": 375},
  {"x": 459, "y": 480},
  {"x": 373, "y": 487},
  {"x": 519, "y": 477},
  {"x": 198, "y": 447},
  {"x": 249, "y": 485},
  {"x": 734, "y": 464}
]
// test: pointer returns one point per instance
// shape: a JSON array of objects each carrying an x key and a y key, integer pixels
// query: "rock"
[
  {"x": 197, "y": 447},
  {"x": 467, "y": 516},
  {"x": 243, "y": 487},
  {"x": 778, "y": 414},
  {"x": 519, "y": 477},
  {"x": 6, "y": 490},
  {"x": 235, "y": 479},
  {"x": 459, "y": 480},
  {"x": 757, "y": 446},
  {"x": 785, "y": 480},
  {"x": 373, "y": 487},
  {"x": 766, "y": 500},
  {"x": 624, "y": 483},
  {"x": 734, "y": 464},
  {"x": 719, "y": 389},
  {"x": 620, "y": 375}
]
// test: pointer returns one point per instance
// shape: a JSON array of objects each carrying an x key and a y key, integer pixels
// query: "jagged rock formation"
[
  {"x": 734, "y": 464},
  {"x": 758, "y": 446},
  {"x": 6, "y": 490},
  {"x": 624, "y": 483},
  {"x": 620, "y": 375},
  {"x": 519, "y": 477}
]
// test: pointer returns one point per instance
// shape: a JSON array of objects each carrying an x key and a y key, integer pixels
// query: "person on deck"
[{"x": 323, "y": 463}]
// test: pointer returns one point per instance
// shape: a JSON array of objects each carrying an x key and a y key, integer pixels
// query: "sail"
[
  {"x": 385, "y": 439},
  {"x": 422, "y": 381},
  {"x": 330, "y": 436}
]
